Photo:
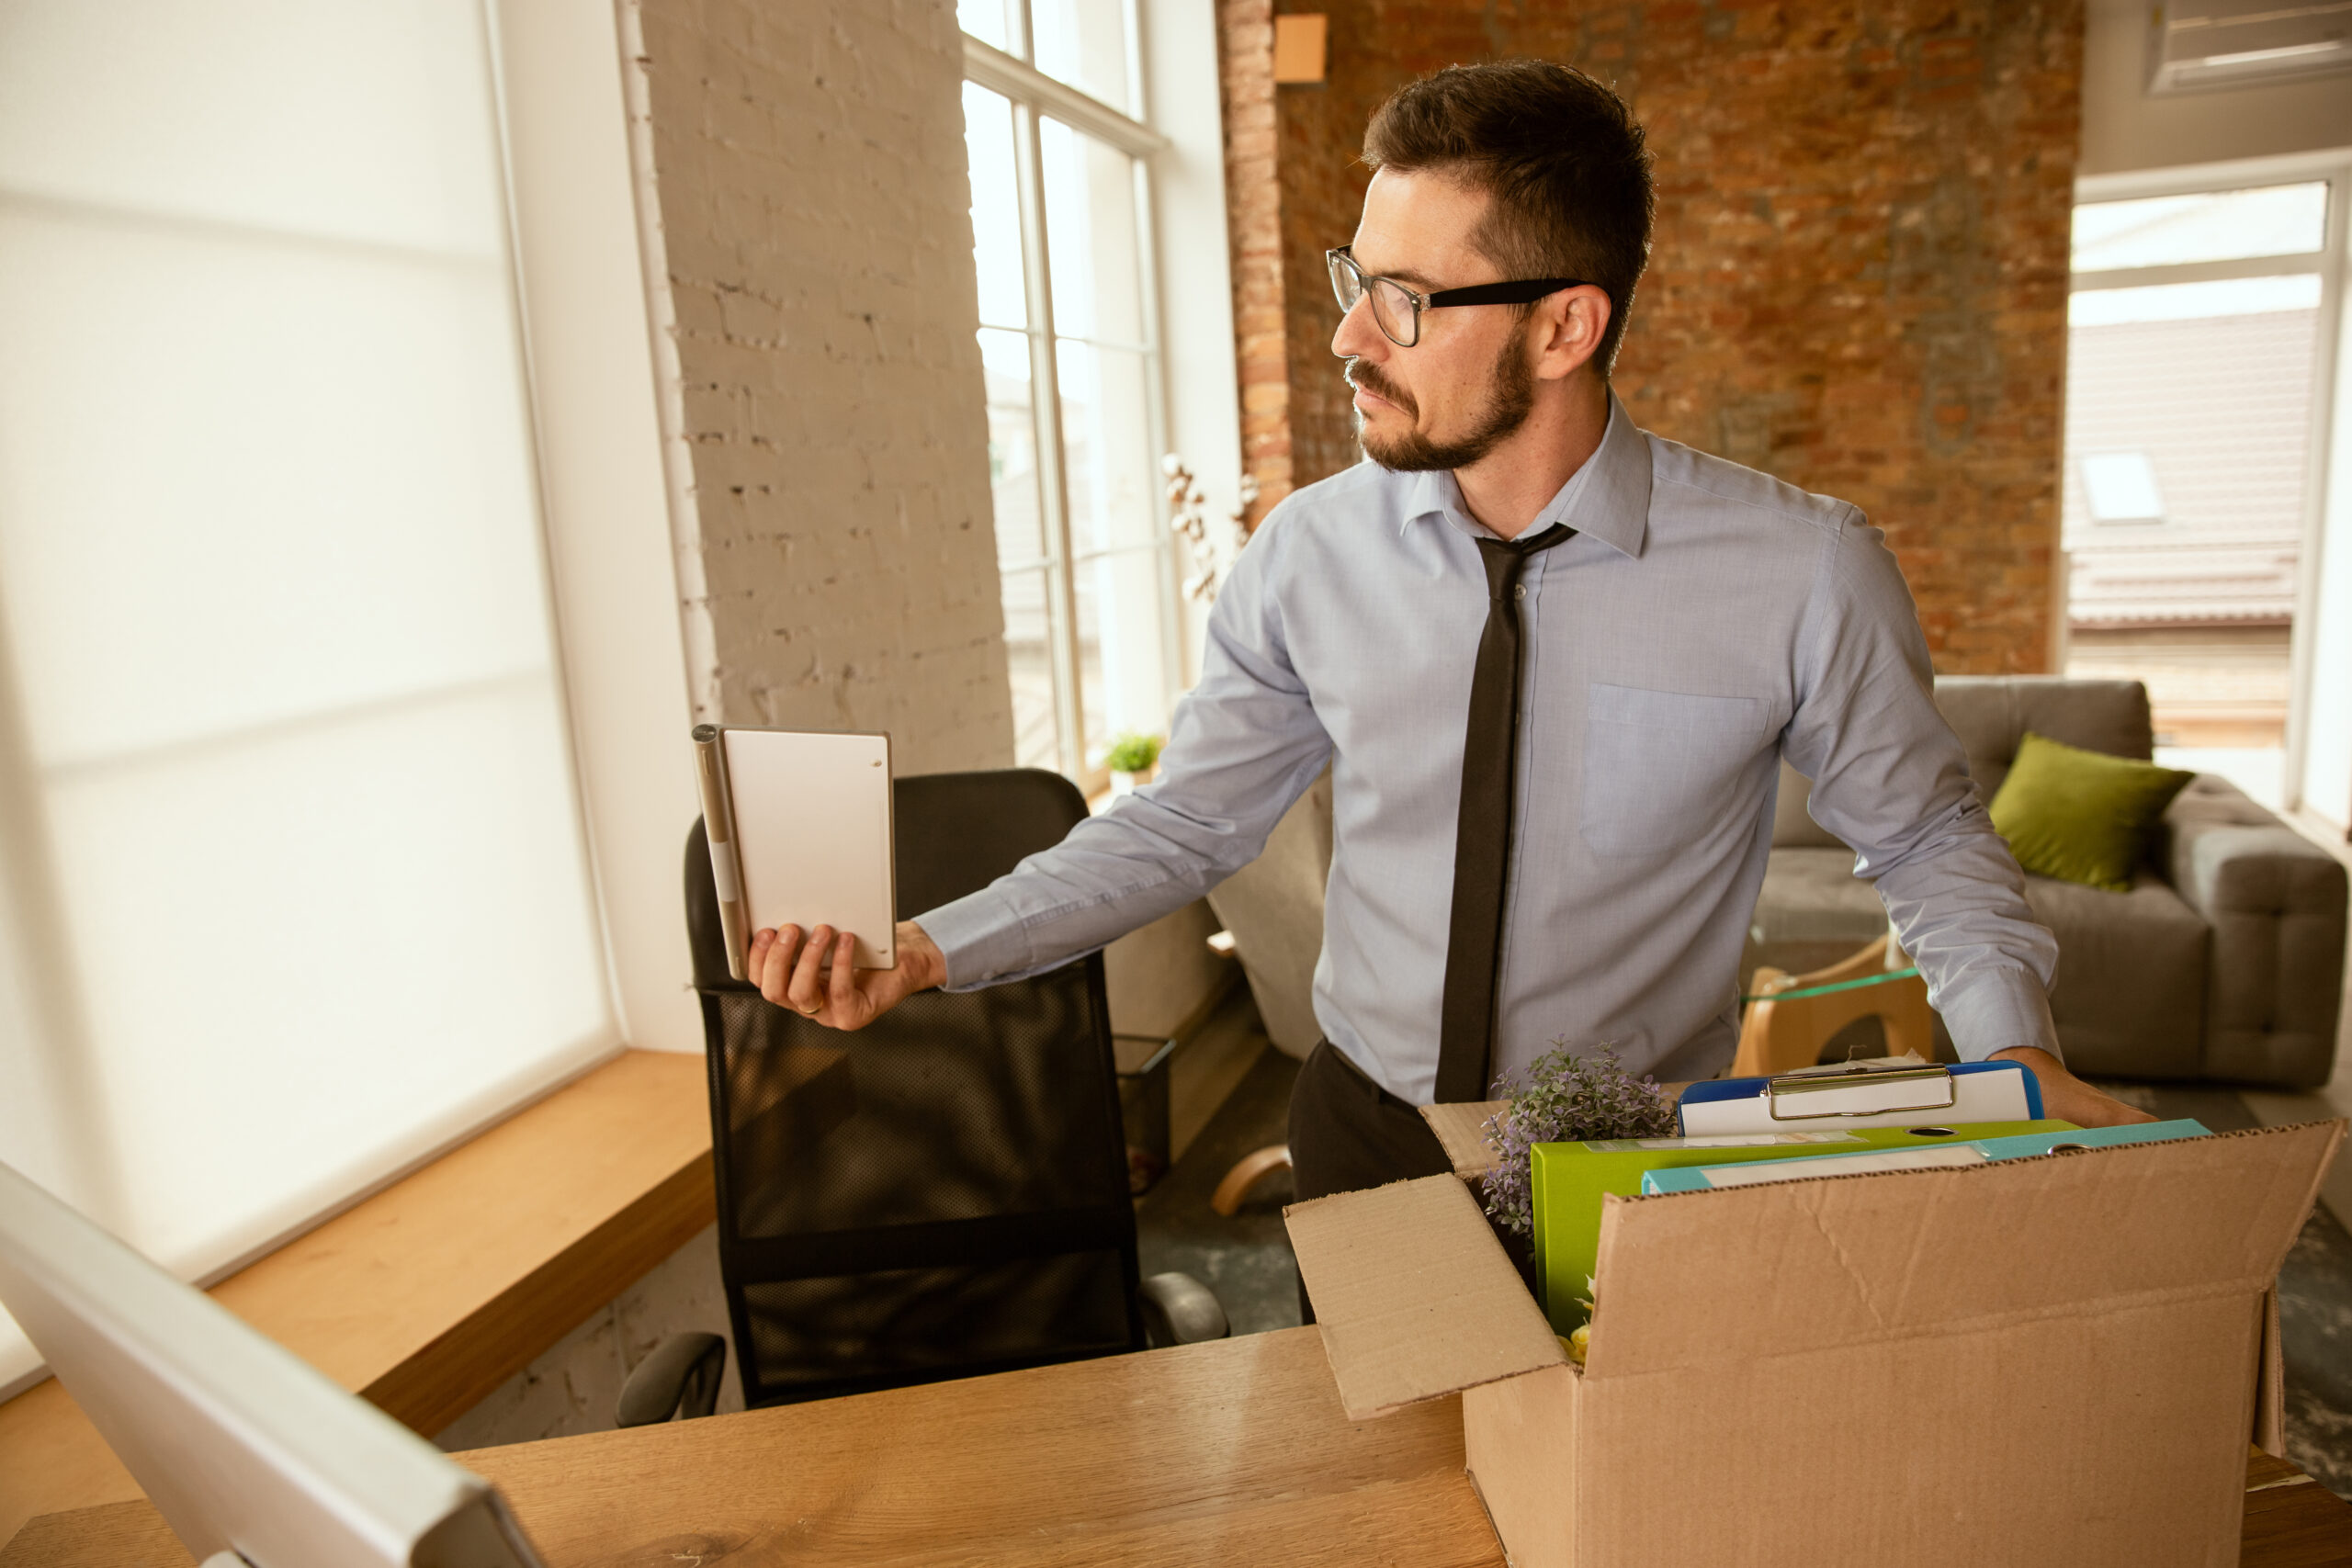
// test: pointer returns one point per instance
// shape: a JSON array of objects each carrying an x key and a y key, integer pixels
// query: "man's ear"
[{"x": 1571, "y": 325}]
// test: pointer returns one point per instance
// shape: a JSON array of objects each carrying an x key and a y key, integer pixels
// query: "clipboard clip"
[{"x": 1936, "y": 1091}]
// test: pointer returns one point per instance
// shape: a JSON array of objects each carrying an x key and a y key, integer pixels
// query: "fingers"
[
  {"x": 844, "y": 989},
  {"x": 771, "y": 961},
  {"x": 791, "y": 973},
  {"x": 806, "y": 992}
]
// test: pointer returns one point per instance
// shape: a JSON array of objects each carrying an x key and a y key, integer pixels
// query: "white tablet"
[{"x": 799, "y": 828}]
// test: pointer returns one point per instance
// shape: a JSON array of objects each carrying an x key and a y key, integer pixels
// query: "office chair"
[{"x": 943, "y": 1193}]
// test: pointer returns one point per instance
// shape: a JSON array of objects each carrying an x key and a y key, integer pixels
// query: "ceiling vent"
[{"x": 2198, "y": 45}]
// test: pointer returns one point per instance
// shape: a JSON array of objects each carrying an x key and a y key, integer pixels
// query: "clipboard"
[
  {"x": 1899, "y": 1094},
  {"x": 800, "y": 830}
]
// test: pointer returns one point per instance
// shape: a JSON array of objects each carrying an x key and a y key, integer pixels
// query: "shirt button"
[{"x": 1520, "y": 592}]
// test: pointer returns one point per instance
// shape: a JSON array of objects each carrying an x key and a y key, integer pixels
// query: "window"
[
  {"x": 292, "y": 884},
  {"x": 1069, "y": 339},
  {"x": 2120, "y": 487},
  {"x": 2199, "y": 333}
]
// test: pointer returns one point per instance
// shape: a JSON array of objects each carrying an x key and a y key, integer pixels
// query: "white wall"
[
  {"x": 588, "y": 347},
  {"x": 807, "y": 179},
  {"x": 2124, "y": 129}
]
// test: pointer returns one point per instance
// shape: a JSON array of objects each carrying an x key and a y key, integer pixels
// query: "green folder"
[{"x": 1568, "y": 1180}]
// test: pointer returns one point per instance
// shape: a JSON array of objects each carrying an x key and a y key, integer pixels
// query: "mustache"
[{"x": 1367, "y": 377}]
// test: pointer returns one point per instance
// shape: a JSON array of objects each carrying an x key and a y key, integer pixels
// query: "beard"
[{"x": 1511, "y": 396}]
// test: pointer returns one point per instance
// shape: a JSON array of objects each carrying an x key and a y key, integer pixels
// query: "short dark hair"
[{"x": 1559, "y": 153}]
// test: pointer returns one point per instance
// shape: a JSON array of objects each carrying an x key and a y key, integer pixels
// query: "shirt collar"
[{"x": 1608, "y": 498}]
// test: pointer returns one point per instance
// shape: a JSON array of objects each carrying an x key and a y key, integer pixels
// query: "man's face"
[{"x": 1467, "y": 385}]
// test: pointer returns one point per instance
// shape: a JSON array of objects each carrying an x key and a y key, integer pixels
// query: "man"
[{"x": 1553, "y": 662}]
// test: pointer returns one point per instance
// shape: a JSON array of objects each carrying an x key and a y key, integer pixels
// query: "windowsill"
[{"x": 430, "y": 1295}]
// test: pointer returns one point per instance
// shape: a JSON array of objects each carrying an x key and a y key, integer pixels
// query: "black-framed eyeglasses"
[{"x": 1396, "y": 309}]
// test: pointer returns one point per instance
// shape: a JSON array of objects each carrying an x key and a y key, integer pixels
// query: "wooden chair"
[
  {"x": 1793, "y": 1017},
  {"x": 1247, "y": 1172}
]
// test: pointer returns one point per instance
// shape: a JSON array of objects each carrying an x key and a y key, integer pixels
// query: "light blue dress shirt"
[{"x": 1705, "y": 620}]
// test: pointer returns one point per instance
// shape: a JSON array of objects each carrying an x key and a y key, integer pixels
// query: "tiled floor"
[{"x": 1247, "y": 1259}]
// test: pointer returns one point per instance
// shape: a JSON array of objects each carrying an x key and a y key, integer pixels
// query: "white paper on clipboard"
[{"x": 812, "y": 834}]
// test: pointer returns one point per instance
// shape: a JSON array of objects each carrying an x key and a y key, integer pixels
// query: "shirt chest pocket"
[{"x": 1659, "y": 767}]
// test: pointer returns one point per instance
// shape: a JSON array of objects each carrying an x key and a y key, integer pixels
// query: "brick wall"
[
  {"x": 1253, "y": 230},
  {"x": 807, "y": 157},
  {"x": 1859, "y": 282}
]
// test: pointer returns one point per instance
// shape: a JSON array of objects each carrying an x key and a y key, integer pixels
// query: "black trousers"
[{"x": 1347, "y": 1133}]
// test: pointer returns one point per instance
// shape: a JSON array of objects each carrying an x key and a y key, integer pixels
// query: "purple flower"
[{"x": 1565, "y": 1099}]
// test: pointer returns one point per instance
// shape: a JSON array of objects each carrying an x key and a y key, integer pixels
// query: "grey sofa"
[{"x": 2224, "y": 960}]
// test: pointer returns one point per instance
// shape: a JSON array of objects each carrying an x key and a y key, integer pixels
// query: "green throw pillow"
[{"x": 2081, "y": 816}]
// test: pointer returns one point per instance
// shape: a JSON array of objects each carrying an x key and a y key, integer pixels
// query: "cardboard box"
[{"x": 2041, "y": 1361}]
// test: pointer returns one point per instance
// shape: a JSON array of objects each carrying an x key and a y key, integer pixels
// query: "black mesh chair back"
[{"x": 945, "y": 1192}]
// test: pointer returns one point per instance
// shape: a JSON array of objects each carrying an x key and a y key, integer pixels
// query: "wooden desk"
[{"x": 1233, "y": 1452}]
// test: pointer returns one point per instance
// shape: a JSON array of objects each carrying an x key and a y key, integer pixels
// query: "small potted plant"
[
  {"x": 1129, "y": 758},
  {"x": 1565, "y": 1097}
]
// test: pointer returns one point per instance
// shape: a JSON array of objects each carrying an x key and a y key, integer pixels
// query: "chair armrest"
[
  {"x": 1180, "y": 1310},
  {"x": 681, "y": 1377},
  {"x": 2275, "y": 904}
]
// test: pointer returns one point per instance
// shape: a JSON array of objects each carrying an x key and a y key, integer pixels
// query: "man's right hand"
[{"x": 811, "y": 972}]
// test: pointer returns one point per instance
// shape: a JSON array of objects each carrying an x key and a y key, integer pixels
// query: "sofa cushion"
[
  {"x": 2130, "y": 995},
  {"x": 1792, "y": 825},
  {"x": 2276, "y": 905},
  {"x": 1812, "y": 912},
  {"x": 2082, "y": 816},
  {"x": 1991, "y": 714},
  {"x": 1812, "y": 895}
]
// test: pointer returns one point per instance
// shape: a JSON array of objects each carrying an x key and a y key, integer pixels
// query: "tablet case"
[{"x": 800, "y": 831}]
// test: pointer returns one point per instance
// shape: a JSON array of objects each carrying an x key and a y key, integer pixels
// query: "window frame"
[
  {"x": 2333, "y": 167},
  {"x": 1035, "y": 97}
]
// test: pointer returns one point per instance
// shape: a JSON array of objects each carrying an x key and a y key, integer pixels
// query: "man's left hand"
[{"x": 2068, "y": 1098}]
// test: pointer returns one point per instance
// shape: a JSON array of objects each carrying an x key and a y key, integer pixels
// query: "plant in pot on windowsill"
[{"x": 1129, "y": 758}]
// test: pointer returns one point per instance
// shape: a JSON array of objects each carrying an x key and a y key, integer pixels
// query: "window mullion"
[
  {"x": 2318, "y": 476},
  {"x": 2199, "y": 272},
  {"x": 1171, "y": 619},
  {"x": 1045, "y": 418}
]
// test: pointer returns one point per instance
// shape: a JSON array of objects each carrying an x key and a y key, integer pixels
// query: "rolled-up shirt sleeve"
[
  {"x": 1891, "y": 779},
  {"x": 1244, "y": 744}
]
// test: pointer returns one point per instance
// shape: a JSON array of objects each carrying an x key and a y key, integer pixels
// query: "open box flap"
[
  {"x": 1461, "y": 1129},
  {"x": 1700, "y": 1278},
  {"x": 1414, "y": 1295}
]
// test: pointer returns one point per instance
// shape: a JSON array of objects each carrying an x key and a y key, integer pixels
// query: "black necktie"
[{"x": 1482, "y": 832}]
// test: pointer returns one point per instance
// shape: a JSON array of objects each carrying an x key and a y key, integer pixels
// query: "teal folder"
[
  {"x": 1568, "y": 1181},
  {"x": 1698, "y": 1178}
]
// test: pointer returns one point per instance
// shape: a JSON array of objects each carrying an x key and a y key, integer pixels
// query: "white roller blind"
[{"x": 294, "y": 877}]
